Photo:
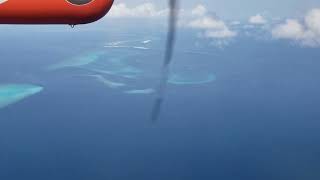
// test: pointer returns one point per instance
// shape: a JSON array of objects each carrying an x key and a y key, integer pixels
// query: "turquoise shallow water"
[
  {"x": 78, "y": 61},
  {"x": 13, "y": 93}
]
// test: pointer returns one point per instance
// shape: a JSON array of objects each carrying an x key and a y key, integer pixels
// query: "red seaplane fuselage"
[{"x": 53, "y": 11}]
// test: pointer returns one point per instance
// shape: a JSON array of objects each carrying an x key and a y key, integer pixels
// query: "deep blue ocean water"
[{"x": 259, "y": 118}]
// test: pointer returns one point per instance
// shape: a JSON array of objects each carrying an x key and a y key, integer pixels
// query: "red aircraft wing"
[{"x": 53, "y": 11}]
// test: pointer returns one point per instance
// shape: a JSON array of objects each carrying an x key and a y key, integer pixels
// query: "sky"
[
  {"x": 241, "y": 9},
  {"x": 297, "y": 22}
]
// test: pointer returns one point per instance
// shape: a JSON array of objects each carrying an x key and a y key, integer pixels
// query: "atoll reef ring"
[{"x": 120, "y": 66}]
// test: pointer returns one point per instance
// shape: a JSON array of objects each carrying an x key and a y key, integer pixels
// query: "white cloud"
[
  {"x": 235, "y": 23},
  {"x": 2, "y": 1},
  {"x": 199, "y": 10},
  {"x": 257, "y": 19},
  {"x": 306, "y": 32},
  {"x": 212, "y": 26},
  {"x": 196, "y": 18},
  {"x": 292, "y": 29},
  {"x": 145, "y": 10},
  {"x": 207, "y": 22},
  {"x": 312, "y": 21},
  {"x": 224, "y": 33}
]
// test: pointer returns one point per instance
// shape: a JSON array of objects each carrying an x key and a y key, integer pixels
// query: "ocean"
[{"x": 76, "y": 105}]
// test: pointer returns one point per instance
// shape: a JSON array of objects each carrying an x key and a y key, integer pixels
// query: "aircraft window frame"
[{"x": 79, "y": 2}]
